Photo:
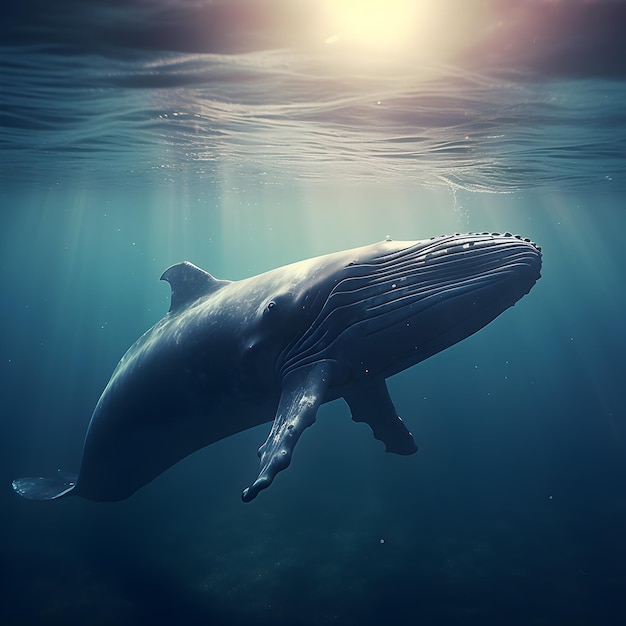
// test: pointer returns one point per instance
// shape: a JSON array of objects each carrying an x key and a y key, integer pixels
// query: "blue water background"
[{"x": 119, "y": 162}]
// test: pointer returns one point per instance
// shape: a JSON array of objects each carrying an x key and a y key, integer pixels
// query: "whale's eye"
[{"x": 278, "y": 306}]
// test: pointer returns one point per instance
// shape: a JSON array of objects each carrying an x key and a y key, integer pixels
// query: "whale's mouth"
[{"x": 450, "y": 285}]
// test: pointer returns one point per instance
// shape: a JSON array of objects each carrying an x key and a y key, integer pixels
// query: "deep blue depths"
[{"x": 124, "y": 154}]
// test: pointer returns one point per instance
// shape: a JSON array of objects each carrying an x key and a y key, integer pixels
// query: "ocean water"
[{"x": 137, "y": 135}]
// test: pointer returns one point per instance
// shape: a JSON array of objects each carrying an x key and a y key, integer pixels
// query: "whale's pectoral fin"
[
  {"x": 373, "y": 406},
  {"x": 303, "y": 392},
  {"x": 45, "y": 488}
]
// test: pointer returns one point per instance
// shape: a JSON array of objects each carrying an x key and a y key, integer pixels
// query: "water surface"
[{"x": 233, "y": 136}]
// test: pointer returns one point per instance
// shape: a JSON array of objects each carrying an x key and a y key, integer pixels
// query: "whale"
[{"x": 231, "y": 355}]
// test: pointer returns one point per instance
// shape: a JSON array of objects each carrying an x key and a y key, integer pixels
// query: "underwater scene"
[{"x": 244, "y": 136}]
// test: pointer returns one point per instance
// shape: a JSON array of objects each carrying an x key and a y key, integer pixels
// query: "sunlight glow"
[
  {"x": 378, "y": 24},
  {"x": 417, "y": 31}
]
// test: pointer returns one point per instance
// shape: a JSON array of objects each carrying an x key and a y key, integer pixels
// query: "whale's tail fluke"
[{"x": 38, "y": 488}]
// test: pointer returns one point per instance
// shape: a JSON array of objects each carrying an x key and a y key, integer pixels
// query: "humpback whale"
[{"x": 230, "y": 355}]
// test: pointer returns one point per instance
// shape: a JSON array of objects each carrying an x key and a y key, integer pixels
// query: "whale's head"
[{"x": 382, "y": 308}]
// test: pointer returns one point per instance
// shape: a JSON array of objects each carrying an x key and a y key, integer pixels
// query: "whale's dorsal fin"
[{"x": 188, "y": 283}]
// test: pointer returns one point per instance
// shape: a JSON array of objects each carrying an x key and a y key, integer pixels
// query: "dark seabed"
[{"x": 246, "y": 135}]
